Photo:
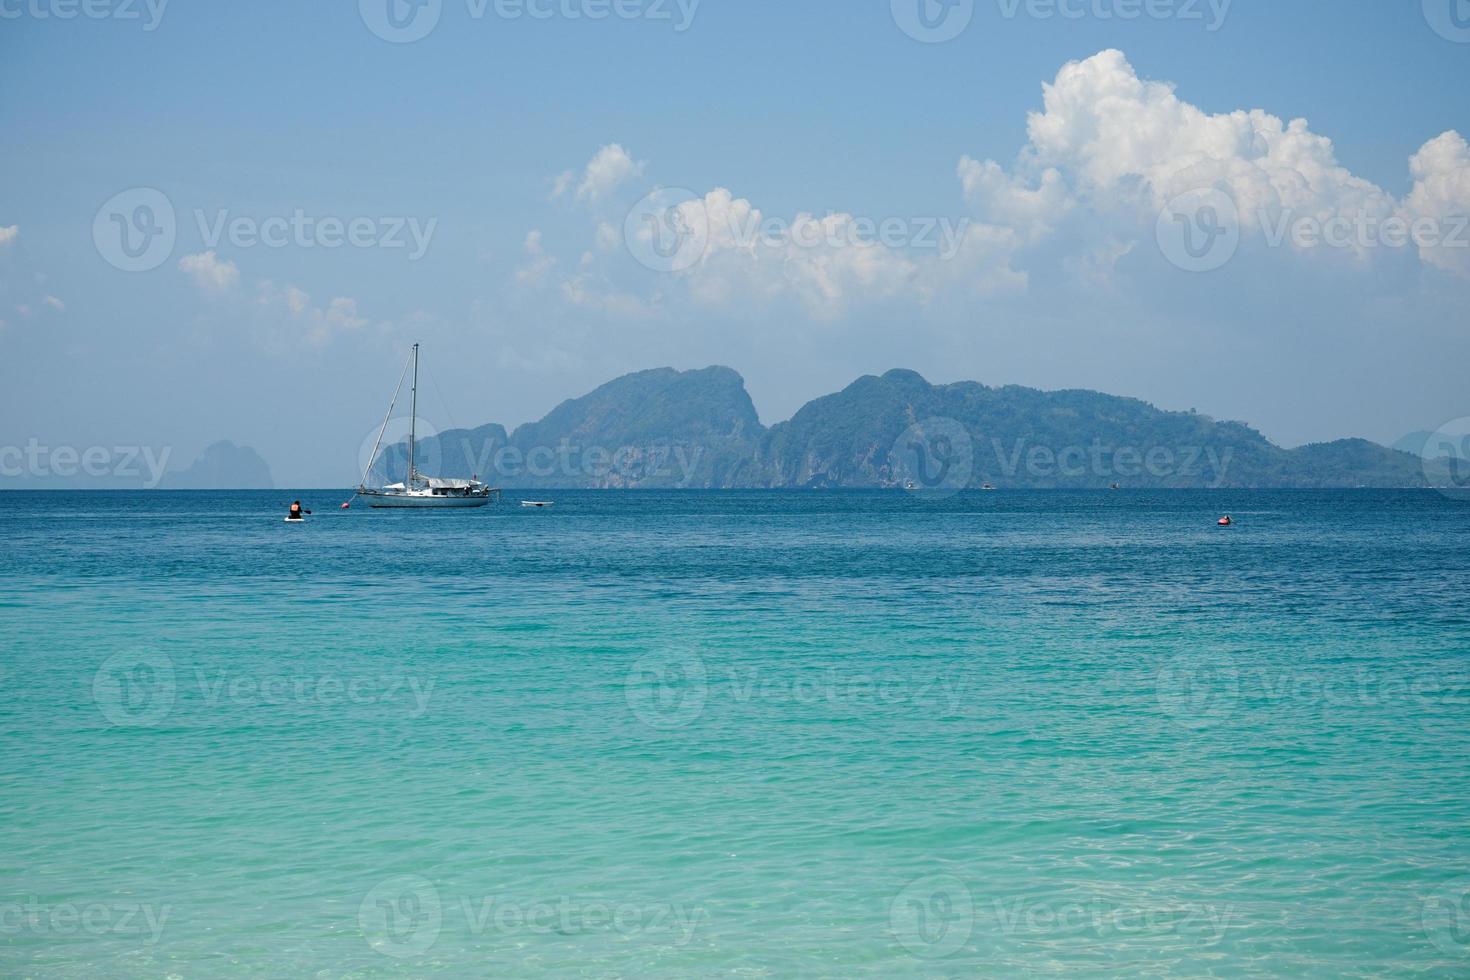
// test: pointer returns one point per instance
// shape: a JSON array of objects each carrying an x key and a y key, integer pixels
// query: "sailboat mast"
[{"x": 413, "y": 415}]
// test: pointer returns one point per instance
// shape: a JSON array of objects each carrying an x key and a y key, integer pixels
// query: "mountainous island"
[
  {"x": 664, "y": 428},
  {"x": 222, "y": 465}
]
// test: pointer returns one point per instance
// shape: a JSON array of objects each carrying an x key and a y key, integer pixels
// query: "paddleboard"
[{"x": 294, "y": 520}]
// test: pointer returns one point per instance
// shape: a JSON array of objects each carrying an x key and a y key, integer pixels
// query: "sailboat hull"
[{"x": 396, "y": 501}]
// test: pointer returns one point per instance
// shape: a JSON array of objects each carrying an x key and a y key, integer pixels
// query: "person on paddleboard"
[{"x": 296, "y": 513}]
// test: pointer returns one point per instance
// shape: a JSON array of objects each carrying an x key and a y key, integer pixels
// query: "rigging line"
[
  {"x": 453, "y": 425},
  {"x": 386, "y": 419},
  {"x": 443, "y": 402}
]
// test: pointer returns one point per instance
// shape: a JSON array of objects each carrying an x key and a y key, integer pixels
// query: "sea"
[{"x": 736, "y": 734}]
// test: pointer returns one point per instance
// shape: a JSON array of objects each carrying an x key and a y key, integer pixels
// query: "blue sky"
[{"x": 519, "y": 146}]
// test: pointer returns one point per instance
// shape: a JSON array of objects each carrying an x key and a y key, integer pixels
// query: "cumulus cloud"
[
  {"x": 1006, "y": 199},
  {"x": 209, "y": 272},
  {"x": 1111, "y": 131},
  {"x": 821, "y": 261},
  {"x": 609, "y": 168},
  {"x": 827, "y": 262},
  {"x": 54, "y": 303},
  {"x": 1118, "y": 145},
  {"x": 8, "y": 234},
  {"x": 1106, "y": 152},
  {"x": 1441, "y": 194}
]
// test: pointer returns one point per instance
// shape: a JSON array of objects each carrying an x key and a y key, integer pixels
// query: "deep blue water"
[{"x": 743, "y": 733}]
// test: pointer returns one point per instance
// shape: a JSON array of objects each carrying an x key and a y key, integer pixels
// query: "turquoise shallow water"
[{"x": 736, "y": 734}]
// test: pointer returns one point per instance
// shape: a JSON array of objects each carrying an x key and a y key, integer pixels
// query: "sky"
[{"x": 230, "y": 221}]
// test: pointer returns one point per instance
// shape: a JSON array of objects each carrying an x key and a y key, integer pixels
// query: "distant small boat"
[
  {"x": 987, "y": 487},
  {"x": 537, "y": 503},
  {"x": 910, "y": 485},
  {"x": 1115, "y": 487}
]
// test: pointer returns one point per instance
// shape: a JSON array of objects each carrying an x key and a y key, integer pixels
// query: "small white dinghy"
[{"x": 537, "y": 503}]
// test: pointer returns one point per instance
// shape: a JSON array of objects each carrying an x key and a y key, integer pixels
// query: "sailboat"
[{"x": 418, "y": 490}]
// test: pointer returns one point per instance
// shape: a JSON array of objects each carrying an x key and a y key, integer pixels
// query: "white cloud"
[
  {"x": 1121, "y": 147},
  {"x": 210, "y": 273},
  {"x": 609, "y": 167},
  {"x": 54, "y": 303},
  {"x": 822, "y": 262},
  {"x": 828, "y": 263},
  {"x": 1105, "y": 153},
  {"x": 1110, "y": 131},
  {"x": 1007, "y": 200},
  {"x": 538, "y": 264},
  {"x": 290, "y": 316},
  {"x": 609, "y": 236},
  {"x": 8, "y": 234},
  {"x": 1441, "y": 193}
]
